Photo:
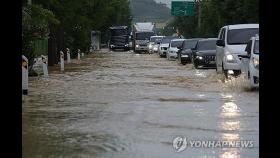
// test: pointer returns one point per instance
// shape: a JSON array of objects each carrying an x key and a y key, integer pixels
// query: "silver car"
[{"x": 154, "y": 42}]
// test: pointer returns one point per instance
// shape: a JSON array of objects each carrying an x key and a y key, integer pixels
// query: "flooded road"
[{"x": 124, "y": 105}]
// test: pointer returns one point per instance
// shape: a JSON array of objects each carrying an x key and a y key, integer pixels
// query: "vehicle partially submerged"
[
  {"x": 173, "y": 48},
  {"x": 250, "y": 63},
  {"x": 153, "y": 44}
]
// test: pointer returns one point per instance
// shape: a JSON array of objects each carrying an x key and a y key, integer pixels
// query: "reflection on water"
[
  {"x": 231, "y": 153},
  {"x": 227, "y": 96},
  {"x": 230, "y": 136},
  {"x": 230, "y": 109},
  {"x": 231, "y": 125},
  {"x": 199, "y": 73}
]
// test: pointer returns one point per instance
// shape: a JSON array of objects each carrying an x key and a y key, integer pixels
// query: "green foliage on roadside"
[
  {"x": 69, "y": 23},
  {"x": 35, "y": 25},
  {"x": 217, "y": 13},
  {"x": 79, "y": 17}
]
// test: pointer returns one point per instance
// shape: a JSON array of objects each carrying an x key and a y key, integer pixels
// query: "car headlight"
[
  {"x": 256, "y": 62},
  {"x": 150, "y": 46},
  {"x": 155, "y": 48},
  {"x": 137, "y": 45},
  {"x": 199, "y": 57},
  {"x": 230, "y": 58},
  {"x": 126, "y": 45}
]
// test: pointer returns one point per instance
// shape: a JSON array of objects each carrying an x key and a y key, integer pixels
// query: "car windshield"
[
  {"x": 166, "y": 40},
  {"x": 207, "y": 45},
  {"x": 144, "y": 35},
  {"x": 155, "y": 39},
  {"x": 176, "y": 43},
  {"x": 241, "y": 36},
  {"x": 256, "y": 48},
  {"x": 189, "y": 44},
  {"x": 119, "y": 32}
]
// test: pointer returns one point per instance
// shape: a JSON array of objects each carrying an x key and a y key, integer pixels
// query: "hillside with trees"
[{"x": 149, "y": 10}]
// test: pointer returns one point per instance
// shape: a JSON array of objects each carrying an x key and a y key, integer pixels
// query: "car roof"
[
  {"x": 118, "y": 27},
  {"x": 177, "y": 39},
  {"x": 170, "y": 37},
  {"x": 144, "y": 32},
  {"x": 156, "y": 36},
  {"x": 242, "y": 26},
  {"x": 188, "y": 39},
  {"x": 208, "y": 39},
  {"x": 194, "y": 38}
]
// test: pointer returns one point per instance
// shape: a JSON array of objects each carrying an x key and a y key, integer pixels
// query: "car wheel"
[
  {"x": 236, "y": 73},
  {"x": 225, "y": 72},
  {"x": 195, "y": 64},
  {"x": 192, "y": 60},
  {"x": 179, "y": 59}
]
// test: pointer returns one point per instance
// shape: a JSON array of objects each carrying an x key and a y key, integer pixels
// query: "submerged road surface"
[{"x": 127, "y": 105}]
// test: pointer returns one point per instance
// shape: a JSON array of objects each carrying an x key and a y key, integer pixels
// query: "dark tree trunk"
[
  {"x": 52, "y": 50},
  {"x": 60, "y": 41}
]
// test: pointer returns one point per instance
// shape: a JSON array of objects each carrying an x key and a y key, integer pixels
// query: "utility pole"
[{"x": 199, "y": 14}]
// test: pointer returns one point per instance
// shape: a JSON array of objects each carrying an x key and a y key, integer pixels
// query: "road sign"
[{"x": 182, "y": 8}]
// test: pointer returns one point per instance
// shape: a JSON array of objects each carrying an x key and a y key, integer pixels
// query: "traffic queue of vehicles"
[
  {"x": 234, "y": 51},
  {"x": 226, "y": 53}
]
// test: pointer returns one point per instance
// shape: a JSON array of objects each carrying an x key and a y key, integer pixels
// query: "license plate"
[
  {"x": 184, "y": 56},
  {"x": 212, "y": 62}
]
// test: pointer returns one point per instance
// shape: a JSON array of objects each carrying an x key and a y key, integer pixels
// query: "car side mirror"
[
  {"x": 220, "y": 43},
  {"x": 248, "y": 50},
  {"x": 180, "y": 48},
  {"x": 248, "y": 54}
]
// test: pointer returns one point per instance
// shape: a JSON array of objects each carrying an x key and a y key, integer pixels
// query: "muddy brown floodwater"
[{"x": 127, "y": 105}]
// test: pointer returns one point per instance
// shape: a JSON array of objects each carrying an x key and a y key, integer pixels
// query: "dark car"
[
  {"x": 185, "y": 52},
  {"x": 204, "y": 53}
]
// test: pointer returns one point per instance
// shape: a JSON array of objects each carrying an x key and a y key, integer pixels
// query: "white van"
[
  {"x": 250, "y": 64},
  {"x": 230, "y": 47}
]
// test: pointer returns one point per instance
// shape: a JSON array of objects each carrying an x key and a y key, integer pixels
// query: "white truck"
[{"x": 141, "y": 36}]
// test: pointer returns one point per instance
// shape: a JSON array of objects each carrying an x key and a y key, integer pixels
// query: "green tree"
[
  {"x": 217, "y": 13},
  {"x": 35, "y": 21},
  {"x": 79, "y": 17}
]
